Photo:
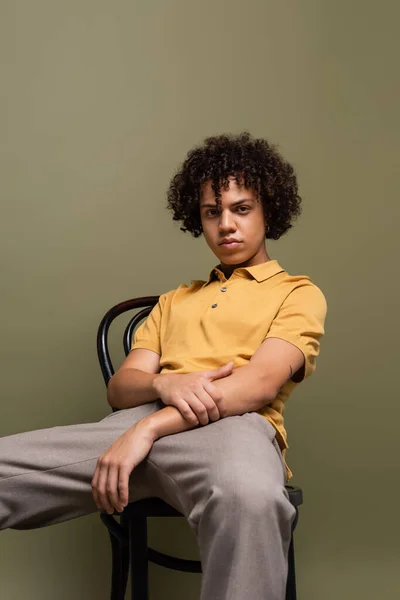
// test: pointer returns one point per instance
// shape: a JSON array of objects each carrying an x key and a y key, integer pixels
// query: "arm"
[
  {"x": 247, "y": 389},
  {"x": 258, "y": 383},
  {"x": 137, "y": 382},
  {"x": 133, "y": 383},
  {"x": 293, "y": 335},
  {"x": 288, "y": 352}
]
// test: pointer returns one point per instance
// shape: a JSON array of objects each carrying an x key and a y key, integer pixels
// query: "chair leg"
[
  {"x": 139, "y": 558},
  {"x": 120, "y": 568},
  {"x": 291, "y": 593}
]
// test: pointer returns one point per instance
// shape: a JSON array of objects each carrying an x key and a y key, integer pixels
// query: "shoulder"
[{"x": 300, "y": 290}]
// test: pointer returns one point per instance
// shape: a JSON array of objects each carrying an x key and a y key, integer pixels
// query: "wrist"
[{"x": 149, "y": 426}]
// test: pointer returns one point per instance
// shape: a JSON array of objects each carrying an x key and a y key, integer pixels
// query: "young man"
[{"x": 202, "y": 392}]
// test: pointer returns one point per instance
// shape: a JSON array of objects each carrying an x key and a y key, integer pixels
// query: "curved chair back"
[{"x": 146, "y": 303}]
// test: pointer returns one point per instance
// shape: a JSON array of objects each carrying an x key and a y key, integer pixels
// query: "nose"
[{"x": 227, "y": 222}]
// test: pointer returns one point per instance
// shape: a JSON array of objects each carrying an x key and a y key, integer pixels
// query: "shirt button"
[
  {"x": 214, "y": 305},
  {"x": 223, "y": 289}
]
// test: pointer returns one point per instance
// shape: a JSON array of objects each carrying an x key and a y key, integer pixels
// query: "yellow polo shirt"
[{"x": 209, "y": 323}]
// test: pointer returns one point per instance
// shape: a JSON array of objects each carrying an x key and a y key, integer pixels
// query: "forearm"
[
  {"x": 131, "y": 387},
  {"x": 166, "y": 421},
  {"x": 245, "y": 390}
]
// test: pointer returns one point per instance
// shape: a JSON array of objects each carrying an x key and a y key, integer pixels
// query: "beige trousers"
[{"x": 227, "y": 478}]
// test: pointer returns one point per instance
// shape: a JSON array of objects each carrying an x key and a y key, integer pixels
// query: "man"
[{"x": 202, "y": 392}]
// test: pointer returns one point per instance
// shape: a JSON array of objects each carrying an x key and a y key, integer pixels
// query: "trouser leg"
[
  {"x": 227, "y": 478},
  {"x": 45, "y": 475},
  {"x": 230, "y": 479}
]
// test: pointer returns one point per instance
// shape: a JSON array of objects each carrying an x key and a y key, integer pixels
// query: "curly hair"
[{"x": 254, "y": 162}]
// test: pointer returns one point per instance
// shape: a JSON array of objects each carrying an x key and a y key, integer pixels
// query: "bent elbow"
[
  {"x": 268, "y": 394},
  {"x": 112, "y": 396}
]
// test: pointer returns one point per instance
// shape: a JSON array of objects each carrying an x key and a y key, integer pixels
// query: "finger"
[
  {"x": 197, "y": 407},
  {"x": 208, "y": 401},
  {"x": 94, "y": 487},
  {"x": 186, "y": 412},
  {"x": 223, "y": 371},
  {"x": 111, "y": 487},
  {"x": 216, "y": 395},
  {"x": 102, "y": 489},
  {"x": 123, "y": 484},
  {"x": 226, "y": 369},
  {"x": 212, "y": 389}
]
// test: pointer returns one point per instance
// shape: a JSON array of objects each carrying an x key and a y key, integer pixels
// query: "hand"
[
  {"x": 193, "y": 394},
  {"x": 110, "y": 483}
]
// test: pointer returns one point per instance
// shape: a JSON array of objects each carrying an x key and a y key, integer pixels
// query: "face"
[{"x": 239, "y": 218}]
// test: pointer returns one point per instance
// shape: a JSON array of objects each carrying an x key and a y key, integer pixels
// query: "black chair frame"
[{"x": 129, "y": 536}]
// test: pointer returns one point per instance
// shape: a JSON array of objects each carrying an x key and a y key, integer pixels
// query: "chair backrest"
[{"x": 146, "y": 304}]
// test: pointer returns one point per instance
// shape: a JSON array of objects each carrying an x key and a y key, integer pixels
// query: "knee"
[{"x": 238, "y": 496}]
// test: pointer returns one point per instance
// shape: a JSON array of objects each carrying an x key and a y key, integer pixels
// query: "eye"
[
  {"x": 246, "y": 208},
  {"x": 211, "y": 212}
]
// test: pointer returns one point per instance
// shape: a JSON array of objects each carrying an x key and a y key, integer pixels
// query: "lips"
[
  {"x": 228, "y": 240},
  {"x": 230, "y": 244}
]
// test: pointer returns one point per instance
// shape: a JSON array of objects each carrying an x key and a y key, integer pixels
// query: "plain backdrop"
[{"x": 100, "y": 103}]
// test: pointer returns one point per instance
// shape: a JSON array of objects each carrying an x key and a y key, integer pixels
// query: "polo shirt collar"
[{"x": 259, "y": 272}]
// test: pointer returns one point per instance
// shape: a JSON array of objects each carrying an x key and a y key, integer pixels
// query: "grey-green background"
[{"x": 100, "y": 103}]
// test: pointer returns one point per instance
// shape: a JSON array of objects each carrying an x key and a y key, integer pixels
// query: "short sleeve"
[
  {"x": 147, "y": 335},
  {"x": 301, "y": 321}
]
